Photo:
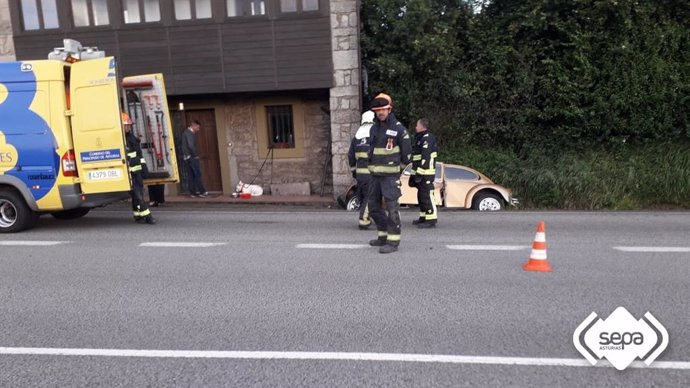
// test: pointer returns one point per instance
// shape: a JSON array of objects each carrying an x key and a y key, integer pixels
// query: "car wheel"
[
  {"x": 353, "y": 204},
  {"x": 71, "y": 214},
  {"x": 487, "y": 202},
  {"x": 15, "y": 214}
]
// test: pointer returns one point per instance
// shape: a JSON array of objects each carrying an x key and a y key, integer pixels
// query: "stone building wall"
[
  {"x": 345, "y": 104},
  {"x": 240, "y": 130},
  {"x": 6, "y": 45}
]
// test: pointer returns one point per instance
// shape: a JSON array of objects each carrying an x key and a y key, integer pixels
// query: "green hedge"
[{"x": 635, "y": 177}]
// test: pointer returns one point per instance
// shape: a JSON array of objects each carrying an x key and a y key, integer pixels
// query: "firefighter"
[
  {"x": 358, "y": 158},
  {"x": 389, "y": 154},
  {"x": 424, "y": 153},
  {"x": 137, "y": 170}
]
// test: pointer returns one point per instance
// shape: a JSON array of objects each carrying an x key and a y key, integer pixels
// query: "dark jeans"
[{"x": 194, "y": 183}]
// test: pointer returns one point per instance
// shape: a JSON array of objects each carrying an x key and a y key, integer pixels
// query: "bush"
[{"x": 628, "y": 178}]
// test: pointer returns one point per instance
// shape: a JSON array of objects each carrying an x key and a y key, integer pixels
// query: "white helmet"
[
  {"x": 367, "y": 121},
  {"x": 368, "y": 117}
]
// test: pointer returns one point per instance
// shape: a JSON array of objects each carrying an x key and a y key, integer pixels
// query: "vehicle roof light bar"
[{"x": 74, "y": 52}]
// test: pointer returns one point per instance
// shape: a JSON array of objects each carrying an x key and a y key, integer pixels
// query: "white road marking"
[
  {"x": 653, "y": 249},
  {"x": 487, "y": 247},
  {"x": 333, "y": 356},
  {"x": 180, "y": 244},
  {"x": 28, "y": 243},
  {"x": 331, "y": 246}
]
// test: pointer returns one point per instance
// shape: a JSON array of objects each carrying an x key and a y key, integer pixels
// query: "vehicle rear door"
[
  {"x": 97, "y": 135},
  {"x": 147, "y": 106}
]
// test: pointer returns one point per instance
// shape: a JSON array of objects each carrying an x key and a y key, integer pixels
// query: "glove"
[{"x": 412, "y": 182}]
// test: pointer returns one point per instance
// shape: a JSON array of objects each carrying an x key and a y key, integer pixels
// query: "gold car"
[{"x": 455, "y": 186}]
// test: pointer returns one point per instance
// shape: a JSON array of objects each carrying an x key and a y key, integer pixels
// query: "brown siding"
[
  {"x": 303, "y": 52},
  {"x": 202, "y": 57}
]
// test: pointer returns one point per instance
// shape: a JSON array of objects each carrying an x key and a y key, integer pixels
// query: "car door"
[
  {"x": 458, "y": 183},
  {"x": 409, "y": 194}
]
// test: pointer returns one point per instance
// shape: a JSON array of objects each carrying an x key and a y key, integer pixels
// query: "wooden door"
[{"x": 207, "y": 147}]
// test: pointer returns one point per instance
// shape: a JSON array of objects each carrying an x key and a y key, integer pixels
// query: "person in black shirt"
[{"x": 191, "y": 161}]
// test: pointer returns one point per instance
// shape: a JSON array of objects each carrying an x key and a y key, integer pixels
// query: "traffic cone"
[{"x": 537, "y": 260}]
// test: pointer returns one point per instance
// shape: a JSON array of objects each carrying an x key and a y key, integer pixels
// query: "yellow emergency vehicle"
[{"x": 62, "y": 148}]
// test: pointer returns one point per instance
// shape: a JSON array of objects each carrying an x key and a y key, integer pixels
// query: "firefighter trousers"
[
  {"x": 139, "y": 206},
  {"x": 363, "y": 197},
  {"x": 426, "y": 199},
  {"x": 385, "y": 188}
]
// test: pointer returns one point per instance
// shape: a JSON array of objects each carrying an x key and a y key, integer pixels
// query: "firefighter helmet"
[
  {"x": 368, "y": 117},
  {"x": 125, "y": 119},
  {"x": 381, "y": 101}
]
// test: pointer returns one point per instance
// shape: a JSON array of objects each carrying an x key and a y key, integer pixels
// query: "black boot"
[
  {"x": 428, "y": 224},
  {"x": 150, "y": 220},
  {"x": 388, "y": 248},
  {"x": 418, "y": 221},
  {"x": 379, "y": 242}
]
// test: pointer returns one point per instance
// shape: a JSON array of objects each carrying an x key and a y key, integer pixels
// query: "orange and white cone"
[{"x": 537, "y": 260}]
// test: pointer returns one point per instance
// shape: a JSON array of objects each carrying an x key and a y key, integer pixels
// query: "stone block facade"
[
  {"x": 346, "y": 97},
  {"x": 239, "y": 128},
  {"x": 6, "y": 44}
]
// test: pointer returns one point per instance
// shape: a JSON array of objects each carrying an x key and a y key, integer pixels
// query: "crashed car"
[{"x": 455, "y": 186}]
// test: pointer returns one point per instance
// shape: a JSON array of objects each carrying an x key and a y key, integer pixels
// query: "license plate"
[{"x": 100, "y": 175}]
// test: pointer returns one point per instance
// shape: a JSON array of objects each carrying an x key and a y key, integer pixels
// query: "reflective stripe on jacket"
[
  {"x": 358, "y": 156},
  {"x": 390, "y": 147},
  {"x": 135, "y": 158},
  {"x": 424, "y": 153}
]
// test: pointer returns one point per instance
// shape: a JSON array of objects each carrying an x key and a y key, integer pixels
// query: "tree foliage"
[{"x": 534, "y": 75}]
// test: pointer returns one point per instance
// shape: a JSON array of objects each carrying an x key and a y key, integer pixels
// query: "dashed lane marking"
[
  {"x": 653, "y": 249},
  {"x": 332, "y": 356},
  {"x": 28, "y": 243},
  {"x": 487, "y": 247},
  {"x": 331, "y": 246},
  {"x": 180, "y": 244}
]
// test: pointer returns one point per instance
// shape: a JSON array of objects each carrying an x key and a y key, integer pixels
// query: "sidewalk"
[{"x": 318, "y": 200}]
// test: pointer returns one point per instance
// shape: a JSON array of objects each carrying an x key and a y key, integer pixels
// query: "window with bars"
[
  {"x": 90, "y": 13},
  {"x": 281, "y": 129},
  {"x": 141, "y": 11},
  {"x": 192, "y": 9},
  {"x": 39, "y": 14}
]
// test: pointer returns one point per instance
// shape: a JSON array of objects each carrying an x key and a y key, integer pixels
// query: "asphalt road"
[{"x": 269, "y": 279}]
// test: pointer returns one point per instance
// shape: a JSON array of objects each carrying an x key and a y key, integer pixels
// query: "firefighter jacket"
[
  {"x": 358, "y": 157},
  {"x": 424, "y": 153},
  {"x": 390, "y": 148},
  {"x": 135, "y": 158}
]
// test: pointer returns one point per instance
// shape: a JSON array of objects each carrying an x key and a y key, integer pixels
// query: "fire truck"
[{"x": 62, "y": 147}]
